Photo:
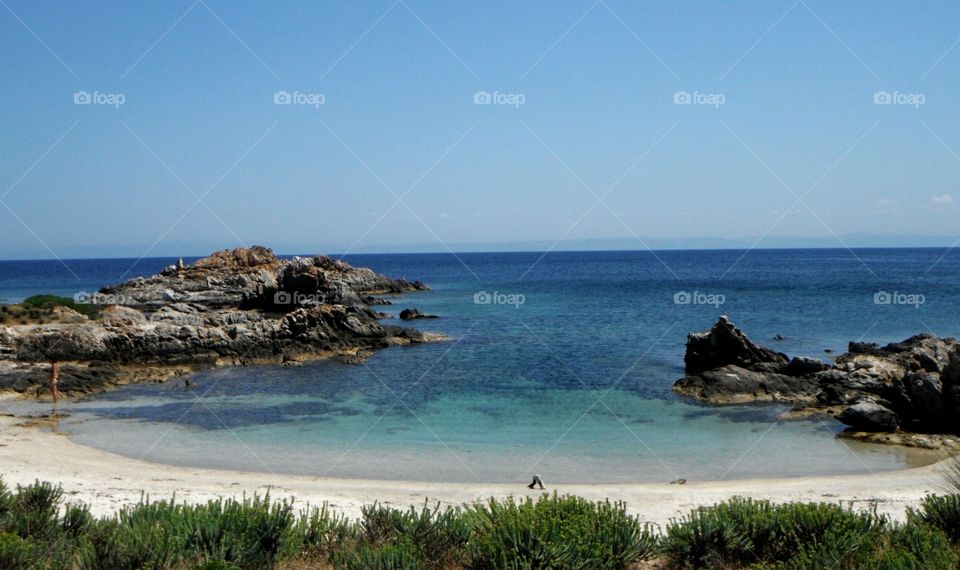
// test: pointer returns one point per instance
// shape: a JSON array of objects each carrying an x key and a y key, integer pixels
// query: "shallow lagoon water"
[{"x": 573, "y": 384}]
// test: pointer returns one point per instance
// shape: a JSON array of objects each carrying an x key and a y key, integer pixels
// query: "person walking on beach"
[
  {"x": 54, "y": 379},
  {"x": 536, "y": 481}
]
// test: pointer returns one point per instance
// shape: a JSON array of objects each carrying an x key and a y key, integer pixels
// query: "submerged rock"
[{"x": 411, "y": 314}]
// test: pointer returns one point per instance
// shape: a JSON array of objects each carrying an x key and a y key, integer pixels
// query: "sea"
[{"x": 557, "y": 363}]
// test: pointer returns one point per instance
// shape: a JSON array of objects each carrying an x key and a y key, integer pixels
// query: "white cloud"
[{"x": 944, "y": 200}]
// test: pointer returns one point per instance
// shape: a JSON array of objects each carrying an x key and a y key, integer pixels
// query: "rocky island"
[
  {"x": 235, "y": 307},
  {"x": 906, "y": 392}
]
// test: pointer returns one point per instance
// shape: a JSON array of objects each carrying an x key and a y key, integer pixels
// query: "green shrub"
[
  {"x": 217, "y": 565},
  {"x": 434, "y": 533},
  {"x": 321, "y": 531},
  {"x": 17, "y": 553},
  {"x": 6, "y": 503},
  {"x": 76, "y": 520},
  {"x": 402, "y": 555},
  {"x": 918, "y": 546},
  {"x": 117, "y": 544},
  {"x": 745, "y": 531},
  {"x": 555, "y": 532},
  {"x": 38, "y": 303},
  {"x": 34, "y": 512},
  {"x": 941, "y": 512}
]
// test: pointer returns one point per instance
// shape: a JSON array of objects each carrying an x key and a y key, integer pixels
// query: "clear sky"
[{"x": 136, "y": 128}]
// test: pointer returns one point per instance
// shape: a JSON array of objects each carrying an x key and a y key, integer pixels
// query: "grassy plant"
[
  {"x": 555, "y": 532},
  {"x": 321, "y": 531},
  {"x": 940, "y": 512},
  {"x": 745, "y": 531},
  {"x": 401, "y": 555},
  {"x": 114, "y": 544},
  {"x": 435, "y": 534},
  {"x": 17, "y": 553},
  {"x": 34, "y": 511}
]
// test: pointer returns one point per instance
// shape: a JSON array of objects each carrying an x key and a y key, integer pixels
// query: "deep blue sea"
[{"x": 559, "y": 363}]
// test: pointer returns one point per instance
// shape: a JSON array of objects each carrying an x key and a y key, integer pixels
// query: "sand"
[{"x": 107, "y": 481}]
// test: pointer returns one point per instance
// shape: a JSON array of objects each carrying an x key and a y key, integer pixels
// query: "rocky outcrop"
[
  {"x": 234, "y": 307},
  {"x": 412, "y": 314},
  {"x": 725, "y": 344},
  {"x": 256, "y": 278},
  {"x": 732, "y": 384},
  {"x": 913, "y": 385},
  {"x": 869, "y": 416}
]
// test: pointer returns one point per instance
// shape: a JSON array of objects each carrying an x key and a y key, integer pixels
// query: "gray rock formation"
[
  {"x": 234, "y": 307},
  {"x": 412, "y": 314},
  {"x": 913, "y": 385}
]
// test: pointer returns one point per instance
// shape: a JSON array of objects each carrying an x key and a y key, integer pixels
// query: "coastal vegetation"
[
  {"x": 41, "y": 309},
  {"x": 39, "y": 530}
]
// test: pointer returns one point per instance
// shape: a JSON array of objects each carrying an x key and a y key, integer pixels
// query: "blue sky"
[{"x": 585, "y": 142}]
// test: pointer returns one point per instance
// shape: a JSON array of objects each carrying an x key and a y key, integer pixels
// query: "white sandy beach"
[{"x": 107, "y": 481}]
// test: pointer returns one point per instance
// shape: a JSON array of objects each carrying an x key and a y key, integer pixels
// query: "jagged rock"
[
  {"x": 732, "y": 384},
  {"x": 725, "y": 344},
  {"x": 803, "y": 365},
  {"x": 221, "y": 309},
  {"x": 411, "y": 314},
  {"x": 869, "y": 416},
  {"x": 117, "y": 315},
  {"x": 911, "y": 385}
]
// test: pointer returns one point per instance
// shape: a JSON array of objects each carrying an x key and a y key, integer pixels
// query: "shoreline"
[{"x": 107, "y": 482}]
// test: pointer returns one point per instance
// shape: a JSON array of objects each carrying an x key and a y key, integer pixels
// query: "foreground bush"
[
  {"x": 556, "y": 532},
  {"x": 742, "y": 532},
  {"x": 38, "y": 532},
  {"x": 942, "y": 513}
]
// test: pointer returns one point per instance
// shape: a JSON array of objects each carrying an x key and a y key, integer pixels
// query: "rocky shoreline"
[
  {"x": 904, "y": 393},
  {"x": 235, "y": 307}
]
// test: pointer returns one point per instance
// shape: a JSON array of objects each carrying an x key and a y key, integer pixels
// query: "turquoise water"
[{"x": 574, "y": 383}]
